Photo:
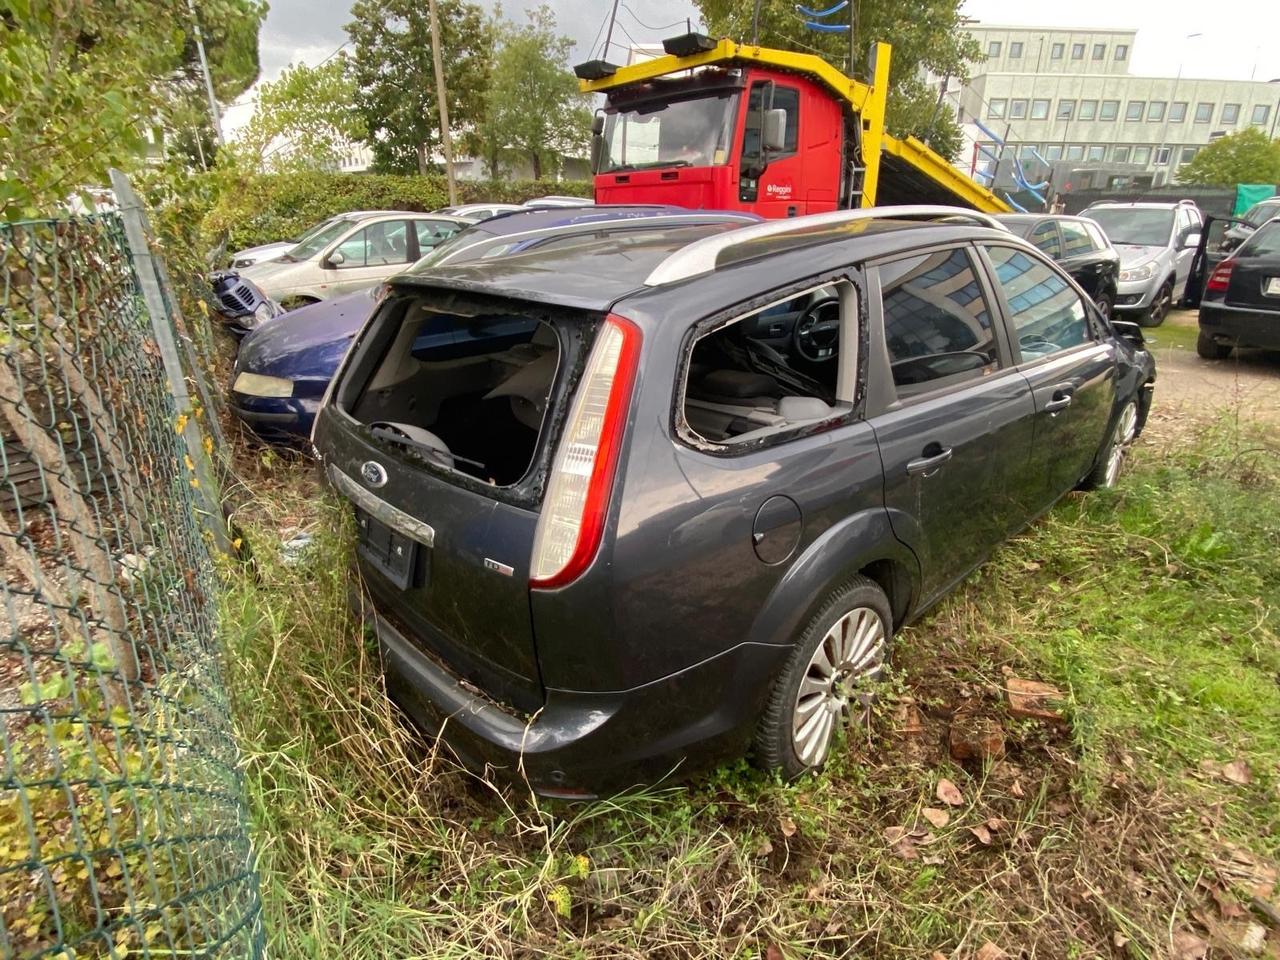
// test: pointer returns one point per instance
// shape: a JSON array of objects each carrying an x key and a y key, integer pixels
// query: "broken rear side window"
[{"x": 465, "y": 387}]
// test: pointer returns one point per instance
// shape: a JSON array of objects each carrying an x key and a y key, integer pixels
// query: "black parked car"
[
  {"x": 1241, "y": 304},
  {"x": 1079, "y": 246},
  {"x": 655, "y": 505}
]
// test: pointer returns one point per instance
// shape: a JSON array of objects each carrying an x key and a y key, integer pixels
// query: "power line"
[{"x": 647, "y": 26}]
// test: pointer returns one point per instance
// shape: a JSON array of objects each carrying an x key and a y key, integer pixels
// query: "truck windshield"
[{"x": 691, "y": 132}]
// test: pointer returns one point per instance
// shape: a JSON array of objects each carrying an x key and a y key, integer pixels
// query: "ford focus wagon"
[{"x": 625, "y": 510}]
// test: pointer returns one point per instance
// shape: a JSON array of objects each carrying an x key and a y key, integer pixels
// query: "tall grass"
[{"x": 1152, "y": 607}]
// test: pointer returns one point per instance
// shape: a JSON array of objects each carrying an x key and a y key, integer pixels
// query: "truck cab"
[{"x": 750, "y": 139}]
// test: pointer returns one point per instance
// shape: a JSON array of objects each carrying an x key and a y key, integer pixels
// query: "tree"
[
  {"x": 1249, "y": 156},
  {"x": 533, "y": 108},
  {"x": 927, "y": 35},
  {"x": 305, "y": 119},
  {"x": 81, "y": 82},
  {"x": 395, "y": 84}
]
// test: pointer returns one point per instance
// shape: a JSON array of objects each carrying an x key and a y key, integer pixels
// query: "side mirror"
[
  {"x": 1130, "y": 331},
  {"x": 597, "y": 142},
  {"x": 1193, "y": 242},
  {"x": 774, "y": 135},
  {"x": 335, "y": 259}
]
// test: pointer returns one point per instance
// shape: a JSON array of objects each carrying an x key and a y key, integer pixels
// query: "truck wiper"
[{"x": 390, "y": 436}]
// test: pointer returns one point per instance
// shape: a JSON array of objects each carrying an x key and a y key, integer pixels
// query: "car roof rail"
[{"x": 700, "y": 256}]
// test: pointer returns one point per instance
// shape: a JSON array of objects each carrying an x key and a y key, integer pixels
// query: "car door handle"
[
  {"x": 1059, "y": 402},
  {"x": 929, "y": 464}
]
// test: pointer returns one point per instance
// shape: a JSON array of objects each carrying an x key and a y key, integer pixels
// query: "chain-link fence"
[{"x": 122, "y": 816}]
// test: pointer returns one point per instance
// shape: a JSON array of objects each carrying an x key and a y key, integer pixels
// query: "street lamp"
[{"x": 1173, "y": 96}]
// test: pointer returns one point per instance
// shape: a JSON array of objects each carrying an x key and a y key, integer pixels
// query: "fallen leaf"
[
  {"x": 936, "y": 816},
  {"x": 1188, "y": 946},
  {"x": 989, "y": 951},
  {"x": 938, "y": 955},
  {"x": 1016, "y": 790},
  {"x": 832, "y": 928},
  {"x": 764, "y": 847},
  {"x": 787, "y": 826},
  {"x": 982, "y": 834},
  {"x": 1228, "y": 906},
  {"x": 906, "y": 850},
  {"x": 933, "y": 861},
  {"x": 949, "y": 793},
  {"x": 771, "y": 952},
  {"x": 995, "y": 823},
  {"x": 894, "y": 834},
  {"x": 1238, "y": 772},
  {"x": 1254, "y": 938},
  {"x": 1120, "y": 940}
]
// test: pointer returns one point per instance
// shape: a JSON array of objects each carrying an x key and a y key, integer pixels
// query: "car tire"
[
  {"x": 1111, "y": 459},
  {"x": 848, "y": 639},
  {"x": 1211, "y": 349},
  {"x": 1104, "y": 302},
  {"x": 1154, "y": 315}
]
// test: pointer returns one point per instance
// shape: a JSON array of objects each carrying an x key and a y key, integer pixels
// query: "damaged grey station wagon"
[{"x": 639, "y": 505}]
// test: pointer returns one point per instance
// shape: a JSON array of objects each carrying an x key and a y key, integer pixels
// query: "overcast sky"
[{"x": 305, "y": 31}]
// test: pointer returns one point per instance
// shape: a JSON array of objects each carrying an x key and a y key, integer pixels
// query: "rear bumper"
[
  {"x": 584, "y": 744},
  {"x": 1241, "y": 326}
]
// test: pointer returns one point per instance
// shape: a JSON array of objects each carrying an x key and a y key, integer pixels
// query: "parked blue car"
[{"x": 285, "y": 365}]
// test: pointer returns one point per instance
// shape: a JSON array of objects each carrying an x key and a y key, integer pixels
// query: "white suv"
[{"x": 1156, "y": 243}]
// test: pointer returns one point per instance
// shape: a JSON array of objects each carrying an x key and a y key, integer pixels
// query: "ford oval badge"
[{"x": 373, "y": 473}]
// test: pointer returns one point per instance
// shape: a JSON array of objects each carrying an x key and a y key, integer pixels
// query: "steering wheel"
[{"x": 816, "y": 335}]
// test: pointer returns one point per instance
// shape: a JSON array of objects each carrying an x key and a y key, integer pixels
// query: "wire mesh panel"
[{"x": 122, "y": 816}]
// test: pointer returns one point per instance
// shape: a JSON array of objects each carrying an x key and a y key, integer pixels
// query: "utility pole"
[
  {"x": 208, "y": 80},
  {"x": 444, "y": 106}
]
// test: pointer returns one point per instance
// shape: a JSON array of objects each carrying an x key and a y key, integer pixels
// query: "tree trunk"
[
  {"x": 422, "y": 160},
  {"x": 536, "y": 157}
]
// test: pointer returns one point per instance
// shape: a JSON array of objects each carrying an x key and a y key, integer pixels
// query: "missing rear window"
[{"x": 467, "y": 392}]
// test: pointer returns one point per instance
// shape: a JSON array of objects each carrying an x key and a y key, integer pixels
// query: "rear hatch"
[
  {"x": 441, "y": 434},
  {"x": 1255, "y": 280}
]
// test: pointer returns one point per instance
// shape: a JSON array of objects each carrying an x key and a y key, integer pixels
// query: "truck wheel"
[
  {"x": 1211, "y": 349},
  {"x": 818, "y": 691},
  {"x": 1160, "y": 306},
  {"x": 1111, "y": 460}
]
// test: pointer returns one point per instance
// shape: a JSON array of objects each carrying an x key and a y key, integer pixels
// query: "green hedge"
[{"x": 269, "y": 207}]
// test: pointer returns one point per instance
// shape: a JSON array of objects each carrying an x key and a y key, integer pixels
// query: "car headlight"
[
  {"x": 257, "y": 385},
  {"x": 1144, "y": 272}
]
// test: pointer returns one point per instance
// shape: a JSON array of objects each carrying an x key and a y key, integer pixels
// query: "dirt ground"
[{"x": 1188, "y": 387}]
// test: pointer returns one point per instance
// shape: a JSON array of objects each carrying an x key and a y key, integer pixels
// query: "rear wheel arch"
[{"x": 894, "y": 578}]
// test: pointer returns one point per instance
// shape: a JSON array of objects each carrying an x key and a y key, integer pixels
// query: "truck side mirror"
[
  {"x": 597, "y": 142},
  {"x": 775, "y": 130}
]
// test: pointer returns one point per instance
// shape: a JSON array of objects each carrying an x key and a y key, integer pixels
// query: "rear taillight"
[
  {"x": 1221, "y": 277},
  {"x": 582, "y": 474}
]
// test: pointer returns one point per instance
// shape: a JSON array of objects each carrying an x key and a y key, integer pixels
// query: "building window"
[
  {"x": 1099, "y": 51},
  {"x": 1088, "y": 109},
  {"x": 1260, "y": 114},
  {"x": 1075, "y": 152},
  {"x": 1135, "y": 109},
  {"x": 1017, "y": 109},
  {"x": 1077, "y": 51},
  {"x": 1142, "y": 155},
  {"x": 1108, "y": 109},
  {"x": 1230, "y": 113},
  {"x": 1066, "y": 109},
  {"x": 1178, "y": 111},
  {"x": 1122, "y": 154},
  {"x": 993, "y": 49},
  {"x": 1204, "y": 112},
  {"x": 1015, "y": 50},
  {"x": 1039, "y": 109},
  {"x": 1096, "y": 154},
  {"x": 1162, "y": 156},
  {"x": 1155, "y": 110},
  {"x": 996, "y": 108},
  {"x": 1056, "y": 51},
  {"x": 1188, "y": 154},
  {"x": 1053, "y": 152},
  {"x": 1122, "y": 51}
]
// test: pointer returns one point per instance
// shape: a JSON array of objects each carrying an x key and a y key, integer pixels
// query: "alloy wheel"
[
  {"x": 1126, "y": 429},
  {"x": 853, "y": 649},
  {"x": 1160, "y": 305}
]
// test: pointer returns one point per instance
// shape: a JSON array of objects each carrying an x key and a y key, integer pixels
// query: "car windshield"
[
  {"x": 1260, "y": 213},
  {"x": 1134, "y": 225},
  {"x": 317, "y": 240},
  {"x": 1264, "y": 243},
  {"x": 310, "y": 232},
  {"x": 689, "y": 133}
]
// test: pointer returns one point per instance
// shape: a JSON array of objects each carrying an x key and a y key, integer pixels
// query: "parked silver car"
[
  {"x": 479, "y": 211},
  {"x": 353, "y": 252},
  {"x": 1156, "y": 243},
  {"x": 265, "y": 252}
]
